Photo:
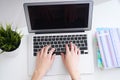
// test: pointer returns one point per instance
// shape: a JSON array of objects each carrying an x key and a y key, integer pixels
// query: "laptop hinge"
[{"x": 58, "y": 32}]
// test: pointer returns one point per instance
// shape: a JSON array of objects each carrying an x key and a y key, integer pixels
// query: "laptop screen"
[{"x": 58, "y": 16}]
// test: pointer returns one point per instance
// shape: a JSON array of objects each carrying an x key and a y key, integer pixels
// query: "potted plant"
[{"x": 9, "y": 39}]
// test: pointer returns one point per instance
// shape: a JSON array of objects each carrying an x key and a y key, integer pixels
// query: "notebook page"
[
  {"x": 111, "y": 49},
  {"x": 106, "y": 48},
  {"x": 116, "y": 44}
]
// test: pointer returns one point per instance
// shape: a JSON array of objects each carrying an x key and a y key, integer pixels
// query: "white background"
[{"x": 13, "y": 66}]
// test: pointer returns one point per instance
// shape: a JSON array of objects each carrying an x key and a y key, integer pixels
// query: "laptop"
[{"x": 59, "y": 23}]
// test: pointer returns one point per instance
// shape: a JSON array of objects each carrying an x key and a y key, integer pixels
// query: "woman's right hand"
[{"x": 71, "y": 60}]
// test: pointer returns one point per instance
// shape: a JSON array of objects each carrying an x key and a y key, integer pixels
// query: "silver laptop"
[{"x": 59, "y": 23}]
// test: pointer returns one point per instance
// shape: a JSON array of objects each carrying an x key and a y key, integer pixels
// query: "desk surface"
[{"x": 13, "y": 66}]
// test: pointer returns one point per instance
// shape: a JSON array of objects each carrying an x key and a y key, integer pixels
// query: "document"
[{"x": 109, "y": 46}]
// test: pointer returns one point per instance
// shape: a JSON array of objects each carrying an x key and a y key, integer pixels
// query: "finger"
[
  {"x": 75, "y": 49},
  {"x": 53, "y": 58},
  {"x": 67, "y": 49},
  {"x": 78, "y": 51},
  {"x": 42, "y": 51},
  {"x": 51, "y": 51},
  {"x": 71, "y": 46},
  {"x": 63, "y": 57},
  {"x": 46, "y": 49}
]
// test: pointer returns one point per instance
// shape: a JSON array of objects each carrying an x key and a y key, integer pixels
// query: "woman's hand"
[
  {"x": 71, "y": 60},
  {"x": 43, "y": 62}
]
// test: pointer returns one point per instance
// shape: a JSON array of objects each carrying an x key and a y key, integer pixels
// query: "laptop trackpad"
[{"x": 57, "y": 67}]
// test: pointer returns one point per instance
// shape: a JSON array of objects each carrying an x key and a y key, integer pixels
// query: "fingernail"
[{"x": 54, "y": 48}]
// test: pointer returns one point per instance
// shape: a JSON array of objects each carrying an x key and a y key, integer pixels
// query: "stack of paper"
[{"x": 108, "y": 47}]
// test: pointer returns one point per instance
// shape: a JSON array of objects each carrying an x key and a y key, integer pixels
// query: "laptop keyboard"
[{"x": 58, "y": 42}]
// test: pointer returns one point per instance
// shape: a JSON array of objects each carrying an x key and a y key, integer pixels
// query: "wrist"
[
  {"x": 76, "y": 78},
  {"x": 75, "y": 75},
  {"x": 37, "y": 75}
]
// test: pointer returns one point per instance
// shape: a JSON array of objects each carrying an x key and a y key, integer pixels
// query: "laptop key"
[
  {"x": 84, "y": 37},
  {"x": 85, "y": 41},
  {"x": 86, "y": 52},
  {"x": 35, "y": 54},
  {"x": 83, "y": 48},
  {"x": 34, "y": 39},
  {"x": 36, "y": 46},
  {"x": 35, "y": 50},
  {"x": 82, "y": 52},
  {"x": 57, "y": 53},
  {"x": 35, "y": 43}
]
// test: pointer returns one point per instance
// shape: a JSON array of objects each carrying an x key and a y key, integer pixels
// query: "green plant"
[{"x": 9, "y": 39}]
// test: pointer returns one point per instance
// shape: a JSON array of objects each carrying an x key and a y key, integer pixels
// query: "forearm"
[{"x": 37, "y": 76}]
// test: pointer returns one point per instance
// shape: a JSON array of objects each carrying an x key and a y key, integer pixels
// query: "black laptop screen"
[{"x": 58, "y": 16}]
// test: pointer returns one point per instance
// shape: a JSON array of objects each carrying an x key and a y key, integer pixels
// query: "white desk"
[{"x": 13, "y": 66}]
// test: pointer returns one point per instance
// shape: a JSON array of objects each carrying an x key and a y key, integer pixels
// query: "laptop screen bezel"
[{"x": 58, "y": 3}]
